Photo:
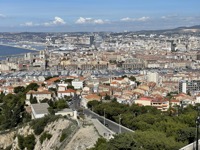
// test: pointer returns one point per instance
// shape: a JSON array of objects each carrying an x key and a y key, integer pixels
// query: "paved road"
[
  {"x": 110, "y": 124},
  {"x": 75, "y": 105},
  {"x": 115, "y": 127},
  {"x": 102, "y": 130}
]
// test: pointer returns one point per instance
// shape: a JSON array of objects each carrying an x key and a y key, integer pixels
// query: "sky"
[{"x": 96, "y": 15}]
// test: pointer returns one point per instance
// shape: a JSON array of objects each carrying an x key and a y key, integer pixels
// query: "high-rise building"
[
  {"x": 91, "y": 40},
  {"x": 189, "y": 86},
  {"x": 153, "y": 77}
]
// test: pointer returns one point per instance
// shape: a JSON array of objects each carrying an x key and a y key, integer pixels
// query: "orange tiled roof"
[
  {"x": 146, "y": 98},
  {"x": 53, "y": 79},
  {"x": 114, "y": 82},
  {"x": 39, "y": 92},
  {"x": 93, "y": 97}
]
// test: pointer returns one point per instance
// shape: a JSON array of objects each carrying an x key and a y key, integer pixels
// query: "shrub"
[
  {"x": 29, "y": 142},
  {"x": 26, "y": 142},
  {"x": 63, "y": 136},
  {"x": 45, "y": 136},
  {"x": 38, "y": 125}
]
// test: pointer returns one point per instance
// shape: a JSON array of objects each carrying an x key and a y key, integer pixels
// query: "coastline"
[
  {"x": 31, "y": 49},
  {"x": 17, "y": 51}
]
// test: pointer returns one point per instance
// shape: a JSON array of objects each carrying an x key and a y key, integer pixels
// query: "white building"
[
  {"x": 68, "y": 92},
  {"x": 66, "y": 112},
  {"x": 197, "y": 99},
  {"x": 153, "y": 77},
  {"x": 40, "y": 95},
  {"x": 77, "y": 84},
  {"x": 62, "y": 87},
  {"x": 39, "y": 110}
]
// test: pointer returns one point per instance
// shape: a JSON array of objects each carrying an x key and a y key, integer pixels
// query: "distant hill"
[{"x": 194, "y": 29}]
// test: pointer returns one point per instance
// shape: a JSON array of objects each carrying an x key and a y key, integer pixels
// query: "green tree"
[
  {"x": 12, "y": 109},
  {"x": 101, "y": 144},
  {"x": 124, "y": 76},
  {"x": 153, "y": 140},
  {"x": 44, "y": 100},
  {"x": 43, "y": 85},
  {"x": 31, "y": 97},
  {"x": 175, "y": 130},
  {"x": 186, "y": 134},
  {"x": 93, "y": 104},
  {"x": 26, "y": 117},
  {"x": 61, "y": 104},
  {"x": 32, "y": 86},
  {"x": 107, "y": 97},
  {"x": 33, "y": 100},
  {"x": 114, "y": 99},
  {"x": 53, "y": 90},
  {"x": 132, "y": 78},
  {"x": 45, "y": 136},
  {"x": 68, "y": 81},
  {"x": 39, "y": 124},
  {"x": 123, "y": 141},
  {"x": 19, "y": 89},
  {"x": 51, "y": 111},
  {"x": 29, "y": 142},
  {"x": 2, "y": 95},
  {"x": 70, "y": 87},
  {"x": 21, "y": 142}
]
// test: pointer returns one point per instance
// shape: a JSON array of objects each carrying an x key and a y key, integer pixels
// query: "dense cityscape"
[
  {"x": 120, "y": 76},
  {"x": 79, "y": 74}
]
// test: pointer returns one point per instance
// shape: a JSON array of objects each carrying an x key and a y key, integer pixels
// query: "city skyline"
[{"x": 88, "y": 15}]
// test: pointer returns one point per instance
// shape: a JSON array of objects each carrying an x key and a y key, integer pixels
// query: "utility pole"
[
  {"x": 104, "y": 117},
  {"x": 120, "y": 130}
]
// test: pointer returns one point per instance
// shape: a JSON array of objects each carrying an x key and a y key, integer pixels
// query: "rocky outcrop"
[
  {"x": 77, "y": 139},
  {"x": 55, "y": 129},
  {"x": 6, "y": 139}
]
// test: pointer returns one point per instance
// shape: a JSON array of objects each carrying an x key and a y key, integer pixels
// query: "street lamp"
[
  {"x": 120, "y": 130},
  {"x": 104, "y": 118}
]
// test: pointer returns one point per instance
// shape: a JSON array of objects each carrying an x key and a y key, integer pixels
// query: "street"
[{"x": 115, "y": 127}]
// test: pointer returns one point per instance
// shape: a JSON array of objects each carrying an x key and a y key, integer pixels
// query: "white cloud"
[
  {"x": 57, "y": 21},
  {"x": 28, "y": 24},
  {"x": 98, "y": 21},
  {"x": 143, "y": 19},
  {"x": 2, "y": 16},
  {"x": 127, "y": 19},
  {"x": 82, "y": 20},
  {"x": 169, "y": 17},
  {"x": 164, "y": 17}
]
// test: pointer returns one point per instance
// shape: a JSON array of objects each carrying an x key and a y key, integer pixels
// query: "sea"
[{"x": 8, "y": 50}]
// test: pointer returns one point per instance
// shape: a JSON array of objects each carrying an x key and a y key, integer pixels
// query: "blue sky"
[{"x": 96, "y": 15}]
